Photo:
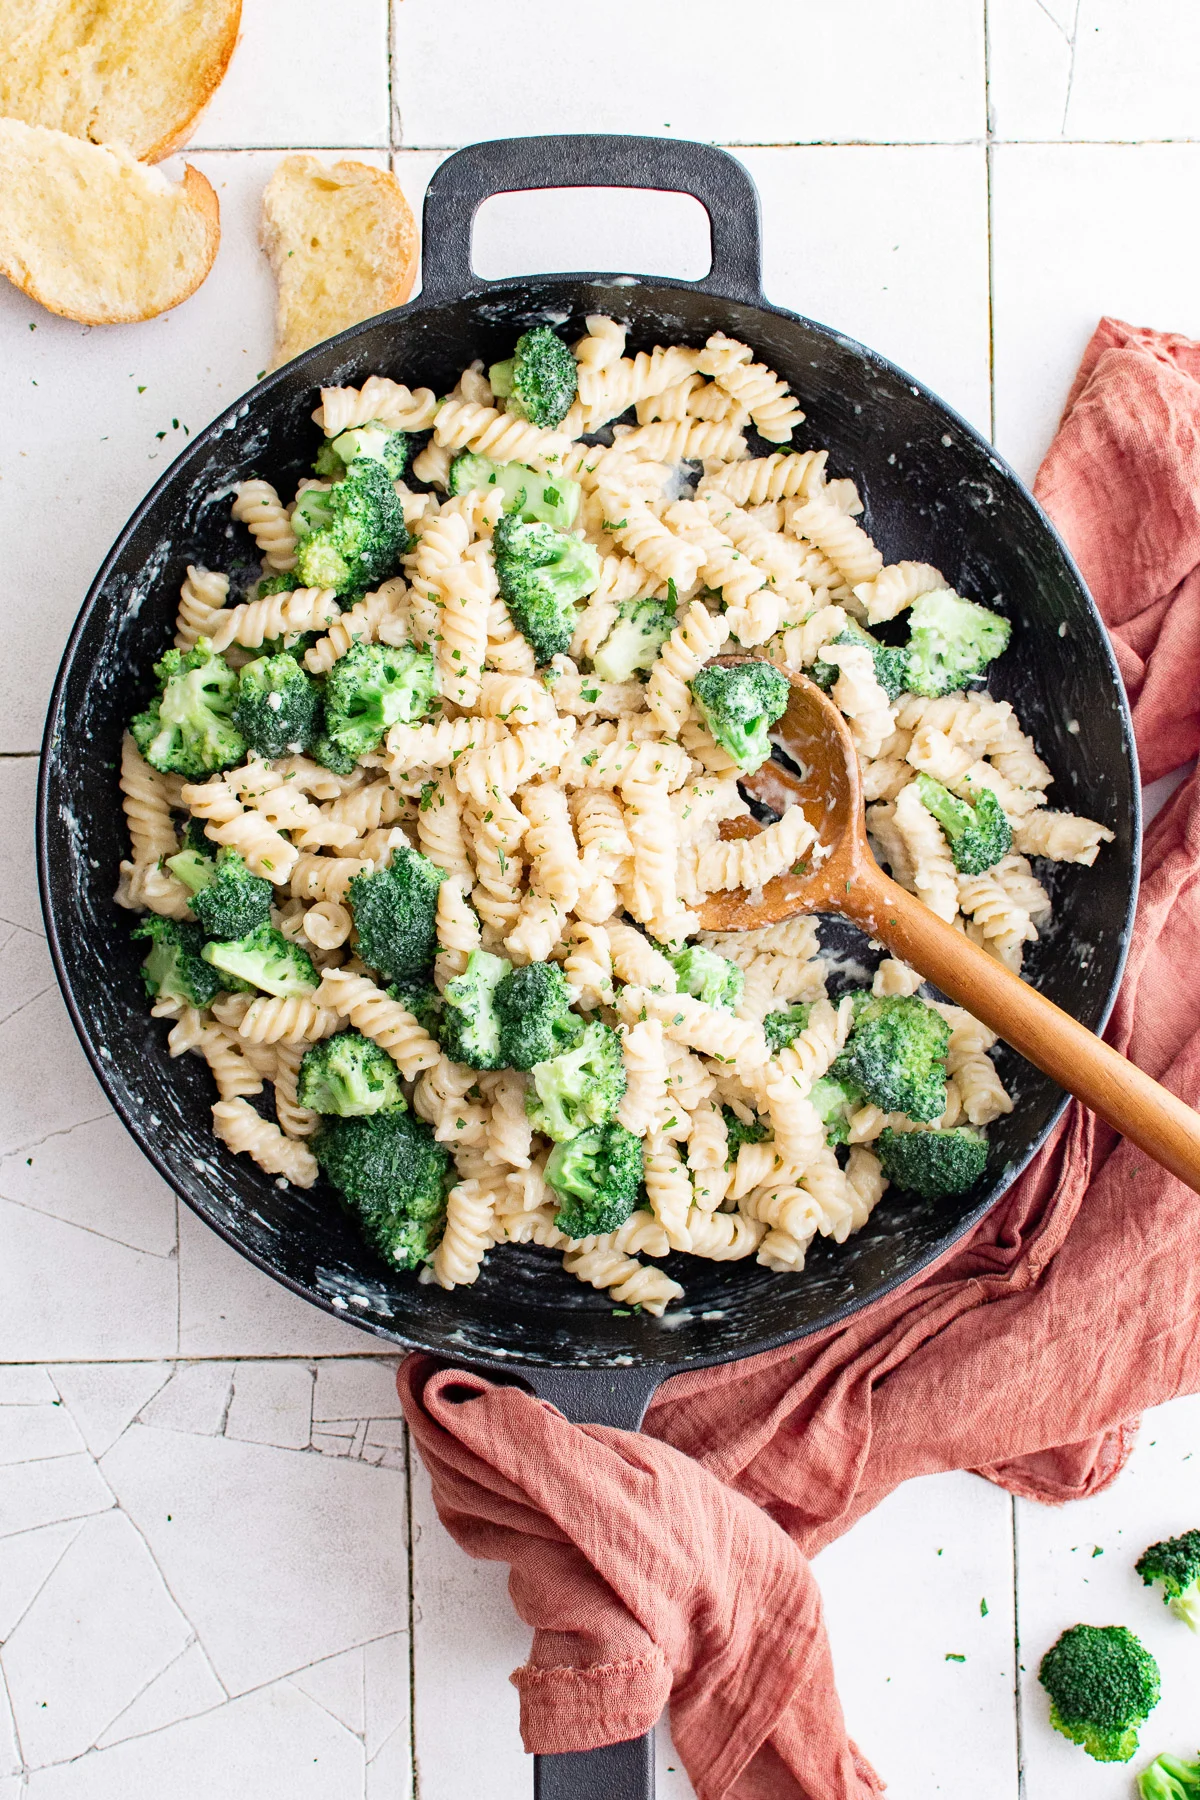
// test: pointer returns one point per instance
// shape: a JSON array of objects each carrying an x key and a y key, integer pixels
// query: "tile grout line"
[
  {"x": 397, "y": 148},
  {"x": 991, "y": 259},
  {"x": 412, "y": 1621}
]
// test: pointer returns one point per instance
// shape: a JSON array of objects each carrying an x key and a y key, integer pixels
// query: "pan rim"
[{"x": 100, "y": 1059}]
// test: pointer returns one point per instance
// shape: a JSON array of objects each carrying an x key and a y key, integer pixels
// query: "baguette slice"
[
  {"x": 95, "y": 235},
  {"x": 129, "y": 72},
  {"x": 343, "y": 245}
]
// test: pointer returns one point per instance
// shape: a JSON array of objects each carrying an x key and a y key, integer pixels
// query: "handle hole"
[{"x": 553, "y": 231}]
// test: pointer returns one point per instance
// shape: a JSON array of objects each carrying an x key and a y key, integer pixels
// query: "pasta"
[{"x": 571, "y": 815}]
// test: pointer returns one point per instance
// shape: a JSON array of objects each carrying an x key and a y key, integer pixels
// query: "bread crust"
[
  {"x": 206, "y": 87},
  {"x": 32, "y": 266}
]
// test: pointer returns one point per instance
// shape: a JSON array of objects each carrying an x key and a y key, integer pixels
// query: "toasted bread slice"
[
  {"x": 129, "y": 72},
  {"x": 343, "y": 244},
  {"x": 95, "y": 235}
]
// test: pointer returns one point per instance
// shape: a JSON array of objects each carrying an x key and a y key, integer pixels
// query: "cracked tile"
[
  {"x": 103, "y": 1398},
  {"x": 338, "y": 1685},
  {"x": 356, "y": 1390},
  {"x": 25, "y": 1563},
  {"x": 65, "y": 1292},
  {"x": 30, "y": 1433},
  {"x": 43, "y": 1493},
  {"x": 279, "y": 1560},
  {"x": 386, "y": 1668},
  {"x": 272, "y": 1404},
  {"x": 389, "y": 1771},
  {"x": 100, "y": 1630},
  {"x": 196, "y": 1399},
  {"x": 274, "y": 1744},
  {"x": 227, "y": 1307},
  {"x": 25, "y": 972},
  {"x": 47, "y": 1084},
  {"x": 1094, "y": 70},
  {"x": 185, "y": 1688},
  {"x": 25, "y": 1385},
  {"x": 10, "y": 1754},
  {"x": 93, "y": 1175}
]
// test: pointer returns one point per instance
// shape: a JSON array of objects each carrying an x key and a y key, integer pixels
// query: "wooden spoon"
[{"x": 849, "y": 881}]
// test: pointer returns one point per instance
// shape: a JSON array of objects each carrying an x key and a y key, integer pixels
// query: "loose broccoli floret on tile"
[
  {"x": 1103, "y": 1685},
  {"x": 738, "y": 704},
  {"x": 596, "y": 1176},
  {"x": 1169, "y": 1778},
  {"x": 1175, "y": 1565},
  {"x": 189, "y": 729},
  {"x": 539, "y": 381},
  {"x": 348, "y": 1075}
]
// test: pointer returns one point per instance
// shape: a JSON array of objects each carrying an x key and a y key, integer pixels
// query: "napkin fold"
[{"x": 671, "y": 1566}]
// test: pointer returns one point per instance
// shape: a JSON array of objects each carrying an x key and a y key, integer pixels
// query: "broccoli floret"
[
  {"x": 891, "y": 663},
  {"x": 391, "y": 1171},
  {"x": 395, "y": 914},
  {"x": 227, "y": 899},
  {"x": 374, "y": 440},
  {"x": 267, "y": 960},
  {"x": 470, "y": 1026},
  {"x": 189, "y": 730},
  {"x": 933, "y": 1163},
  {"x": 596, "y": 1176},
  {"x": 709, "y": 977},
  {"x": 1103, "y": 1685},
  {"x": 739, "y": 704},
  {"x": 348, "y": 1075},
  {"x": 739, "y": 1133},
  {"x": 540, "y": 381},
  {"x": 897, "y": 1055},
  {"x": 418, "y": 996},
  {"x": 834, "y": 1101},
  {"x": 278, "y": 708},
  {"x": 550, "y": 499},
  {"x": 782, "y": 1028},
  {"x": 362, "y": 536},
  {"x": 541, "y": 574},
  {"x": 274, "y": 584},
  {"x": 533, "y": 1006},
  {"x": 979, "y": 835},
  {"x": 579, "y": 1087},
  {"x": 173, "y": 969},
  {"x": 372, "y": 688},
  {"x": 952, "y": 641},
  {"x": 1176, "y": 1564},
  {"x": 1168, "y": 1778},
  {"x": 641, "y": 630}
]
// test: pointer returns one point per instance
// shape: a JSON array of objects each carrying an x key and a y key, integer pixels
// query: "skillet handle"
[
  {"x": 615, "y": 1771},
  {"x": 718, "y": 181}
]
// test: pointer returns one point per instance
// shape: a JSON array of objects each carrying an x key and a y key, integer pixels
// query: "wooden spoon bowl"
[{"x": 846, "y": 879}]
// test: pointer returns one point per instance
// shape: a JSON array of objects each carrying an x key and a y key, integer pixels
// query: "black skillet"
[{"x": 934, "y": 491}]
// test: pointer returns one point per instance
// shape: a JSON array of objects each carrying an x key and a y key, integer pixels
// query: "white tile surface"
[
  {"x": 1080, "y": 231},
  {"x": 1094, "y": 69},
  {"x": 862, "y": 70},
  {"x": 255, "y": 1521},
  {"x": 1076, "y": 1566}
]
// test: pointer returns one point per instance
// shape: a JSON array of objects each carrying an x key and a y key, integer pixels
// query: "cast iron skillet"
[{"x": 934, "y": 490}]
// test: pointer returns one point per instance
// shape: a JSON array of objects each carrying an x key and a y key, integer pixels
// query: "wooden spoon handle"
[{"x": 1113, "y": 1087}]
